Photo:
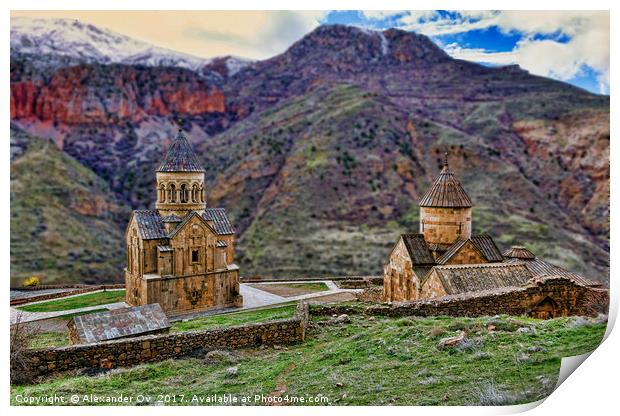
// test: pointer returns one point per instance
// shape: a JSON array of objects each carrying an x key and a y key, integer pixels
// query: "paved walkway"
[{"x": 252, "y": 298}]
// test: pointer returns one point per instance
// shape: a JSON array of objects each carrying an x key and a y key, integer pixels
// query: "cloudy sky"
[{"x": 568, "y": 46}]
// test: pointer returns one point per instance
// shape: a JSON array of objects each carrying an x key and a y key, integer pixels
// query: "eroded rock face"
[
  {"x": 113, "y": 94},
  {"x": 573, "y": 163}
]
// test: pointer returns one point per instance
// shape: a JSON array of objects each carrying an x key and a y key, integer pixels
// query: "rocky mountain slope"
[
  {"x": 66, "y": 225},
  {"x": 320, "y": 153}
]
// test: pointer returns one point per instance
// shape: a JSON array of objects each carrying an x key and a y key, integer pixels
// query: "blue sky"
[{"x": 568, "y": 46}]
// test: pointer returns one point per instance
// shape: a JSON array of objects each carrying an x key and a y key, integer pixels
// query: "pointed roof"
[
  {"x": 180, "y": 157},
  {"x": 446, "y": 191},
  {"x": 519, "y": 252}
]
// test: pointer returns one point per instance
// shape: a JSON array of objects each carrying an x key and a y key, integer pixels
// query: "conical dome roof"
[
  {"x": 446, "y": 192},
  {"x": 180, "y": 157}
]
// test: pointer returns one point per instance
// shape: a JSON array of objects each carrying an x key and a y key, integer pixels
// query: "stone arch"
[
  {"x": 184, "y": 194},
  {"x": 195, "y": 195},
  {"x": 202, "y": 194},
  {"x": 172, "y": 193},
  {"x": 546, "y": 309},
  {"x": 162, "y": 192}
]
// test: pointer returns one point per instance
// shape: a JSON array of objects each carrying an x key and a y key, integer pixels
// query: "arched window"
[
  {"x": 184, "y": 194},
  {"x": 172, "y": 193},
  {"x": 162, "y": 193},
  {"x": 194, "y": 193},
  {"x": 202, "y": 194}
]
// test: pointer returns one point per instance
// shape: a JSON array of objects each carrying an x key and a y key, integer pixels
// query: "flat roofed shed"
[{"x": 118, "y": 323}]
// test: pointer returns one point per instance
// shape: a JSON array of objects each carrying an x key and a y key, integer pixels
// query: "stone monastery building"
[
  {"x": 444, "y": 258},
  {"x": 181, "y": 254}
]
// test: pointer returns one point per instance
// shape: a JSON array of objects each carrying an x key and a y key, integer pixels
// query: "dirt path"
[{"x": 280, "y": 388}]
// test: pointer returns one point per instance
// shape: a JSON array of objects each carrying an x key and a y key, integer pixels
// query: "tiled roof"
[
  {"x": 220, "y": 220},
  {"x": 150, "y": 224},
  {"x": 417, "y": 249},
  {"x": 446, "y": 192},
  {"x": 541, "y": 268},
  {"x": 519, "y": 252},
  {"x": 120, "y": 323},
  {"x": 180, "y": 157},
  {"x": 164, "y": 248},
  {"x": 172, "y": 218},
  {"x": 221, "y": 243},
  {"x": 486, "y": 245},
  {"x": 471, "y": 278}
]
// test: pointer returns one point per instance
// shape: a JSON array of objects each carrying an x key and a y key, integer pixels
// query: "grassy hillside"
[
  {"x": 65, "y": 222},
  {"x": 376, "y": 361},
  {"x": 325, "y": 189}
]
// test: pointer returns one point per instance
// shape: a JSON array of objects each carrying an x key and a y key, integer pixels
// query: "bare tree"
[{"x": 21, "y": 334}]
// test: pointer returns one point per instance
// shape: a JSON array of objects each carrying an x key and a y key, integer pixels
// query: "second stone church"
[{"x": 444, "y": 258}]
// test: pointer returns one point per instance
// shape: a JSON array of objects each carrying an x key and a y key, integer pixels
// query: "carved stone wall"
[{"x": 180, "y": 192}]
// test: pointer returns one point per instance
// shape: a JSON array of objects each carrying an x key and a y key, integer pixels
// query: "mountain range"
[{"x": 319, "y": 154}]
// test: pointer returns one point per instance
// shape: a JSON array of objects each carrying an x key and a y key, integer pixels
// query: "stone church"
[
  {"x": 181, "y": 254},
  {"x": 444, "y": 258}
]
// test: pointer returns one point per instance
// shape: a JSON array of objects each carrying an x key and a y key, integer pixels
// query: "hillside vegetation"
[{"x": 376, "y": 361}]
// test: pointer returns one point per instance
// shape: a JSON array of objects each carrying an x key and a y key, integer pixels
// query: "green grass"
[
  {"x": 82, "y": 301},
  {"x": 49, "y": 339},
  {"x": 313, "y": 287},
  {"x": 231, "y": 319},
  {"x": 370, "y": 362}
]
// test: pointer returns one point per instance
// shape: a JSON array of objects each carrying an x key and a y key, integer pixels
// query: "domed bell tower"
[
  {"x": 180, "y": 180},
  {"x": 445, "y": 211}
]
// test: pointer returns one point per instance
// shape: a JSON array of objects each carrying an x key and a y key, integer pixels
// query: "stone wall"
[
  {"x": 445, "y": 225},
  {"x": 569, "y": 298},
  {"x": 155, "y": 348}
]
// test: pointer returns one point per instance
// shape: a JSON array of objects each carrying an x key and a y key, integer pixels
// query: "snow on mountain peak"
[{"x": 85, "y": 42}]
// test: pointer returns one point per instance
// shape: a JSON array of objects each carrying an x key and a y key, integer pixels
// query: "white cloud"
[{"x": 588, "y": 43}]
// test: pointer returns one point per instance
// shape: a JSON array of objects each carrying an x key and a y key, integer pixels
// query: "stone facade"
[
  {"x": 445, "y": 225},
  {"x": 399, "y": 282},
  {"x": 155, "y": 348},
  {"x": 181, "y": 255}
]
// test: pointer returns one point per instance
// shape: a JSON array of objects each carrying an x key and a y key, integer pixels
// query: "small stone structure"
[
  {"x": 118, "y": 323},
  {"x": 444, "y": 258},
  {"x": 181, "y": 254},
  {"x": 155, "y": 348}
]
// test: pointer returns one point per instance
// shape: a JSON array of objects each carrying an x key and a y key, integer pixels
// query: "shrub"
[{"x": 32, "y": 281}]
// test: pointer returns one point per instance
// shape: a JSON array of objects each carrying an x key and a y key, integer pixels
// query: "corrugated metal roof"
[
  {"x": 180, "y": 157},
  {"x": 486, "y": 245},
  {"x": 417, "y": 249},
  {"x": 519, "y": 252},
  {"x": 220, "y": 220},
  {"x": 446, "y": 192},
  {"x": 150, "y": 224},
  {"x": 541, "y": 267},
  {"x": 471, "y": 278},
  {"x": 120, "y": 323}
]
